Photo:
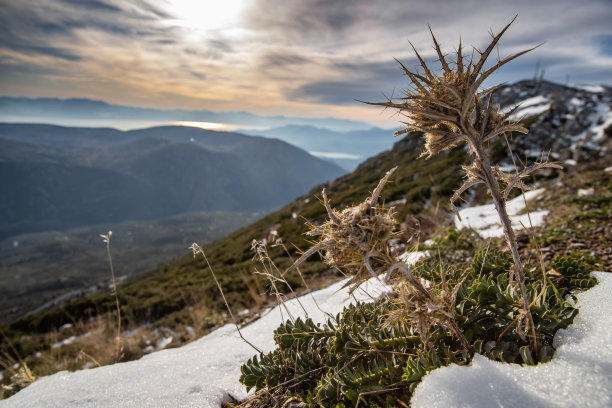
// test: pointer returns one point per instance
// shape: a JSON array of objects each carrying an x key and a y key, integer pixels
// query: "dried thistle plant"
[
  {"x": 450, "y": 108},
  {"x": 356, "y": 240}
]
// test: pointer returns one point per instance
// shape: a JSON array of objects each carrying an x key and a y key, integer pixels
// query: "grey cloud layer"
[
  {"x": 577, "y": 36},
  {"x": 314, "y": 51}
]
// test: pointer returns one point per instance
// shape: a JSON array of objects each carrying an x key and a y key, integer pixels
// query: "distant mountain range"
[
  {"x": 347, "y": 149},
  {"x": 54, "y": 177},
  {"x": 54, "y": 110}
]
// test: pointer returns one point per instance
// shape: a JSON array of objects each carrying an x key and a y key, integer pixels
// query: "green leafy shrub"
[
  {"x": 357, "y": 357},
  {"x": 574, "y": 270}
]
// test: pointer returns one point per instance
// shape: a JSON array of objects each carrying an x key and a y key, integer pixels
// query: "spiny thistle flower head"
[
  {"x": 356, "y": 240},
  {"x": 448, "y": 106}
]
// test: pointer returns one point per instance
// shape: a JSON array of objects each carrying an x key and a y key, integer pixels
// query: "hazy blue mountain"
[
  {"x": 55, "y": 177},
  {"x": 347, "y": 149},
  {"x": 37, "y": 110}
]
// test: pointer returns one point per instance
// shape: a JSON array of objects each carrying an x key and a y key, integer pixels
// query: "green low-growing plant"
[
  {"x": 358, "y": 356},
  {"x": 573, "y": 270}
]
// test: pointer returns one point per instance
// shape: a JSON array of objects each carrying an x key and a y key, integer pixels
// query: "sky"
[{"x": 309, "y": 58}]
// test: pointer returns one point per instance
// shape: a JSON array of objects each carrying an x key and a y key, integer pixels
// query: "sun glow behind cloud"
[{"x": 205, "y": 15}]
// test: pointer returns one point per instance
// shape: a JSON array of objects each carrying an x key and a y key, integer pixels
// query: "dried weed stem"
[
  {"x": 198, "y": 249},
  {"x": 118, "y": 345}
]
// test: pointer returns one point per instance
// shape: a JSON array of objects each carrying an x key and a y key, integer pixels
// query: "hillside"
[
  {"x": 57, "y": 178},
  {"x": 182, "y": 298},
  {"x": 205, "y": 372}
]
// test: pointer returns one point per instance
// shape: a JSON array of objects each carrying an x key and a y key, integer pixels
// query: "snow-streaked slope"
[
  {"x": 485, "y": 219},
  {"x": 580, "y": 374},
  {"x": 200, "y": 374},
  {"x": 567, "y": 122}
]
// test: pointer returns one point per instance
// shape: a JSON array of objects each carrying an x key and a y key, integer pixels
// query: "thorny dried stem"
[
  {"x": 424, "y": 308},
  {"x": 357, "y": 241}
]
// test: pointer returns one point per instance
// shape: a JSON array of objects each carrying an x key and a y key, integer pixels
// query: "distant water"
[{"x": 125, "y": 124}]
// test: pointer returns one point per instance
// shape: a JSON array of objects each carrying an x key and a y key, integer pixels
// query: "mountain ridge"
[
  {"x": 105, "y": 175},
  {"x": 84, "y": 108}
]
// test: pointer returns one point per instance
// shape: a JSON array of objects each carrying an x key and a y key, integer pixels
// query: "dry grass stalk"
[
  {"x": 198, "y": 250},
  {"x": 118, "y": 346},
  {"x": 450, "y": 108},
  {"x": 279, "y": 242},
  {"x": 274, "y": 275}
]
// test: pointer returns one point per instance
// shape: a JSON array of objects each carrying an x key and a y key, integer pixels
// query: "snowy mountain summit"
[{"x": 570, "y": 122}]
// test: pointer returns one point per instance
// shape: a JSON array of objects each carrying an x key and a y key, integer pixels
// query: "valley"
[{"x": 46, "y": 269}]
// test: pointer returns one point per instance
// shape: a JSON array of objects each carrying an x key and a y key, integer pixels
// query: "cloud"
[
  {"x": 92, "y": 5},
  {"x": 335, "y": 92},
  {"x": 282, "y": 57},
  {"x": 354, "y": 80},
  {"x": 604, "y": 42}
]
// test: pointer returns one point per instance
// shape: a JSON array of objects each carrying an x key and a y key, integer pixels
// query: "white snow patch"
[
  {"x": 607, "y": 169},
  {"x": 485, "y": 220},
  {"x": 590, "y": 88},
  {"x": 536, "y": 100},
  {"x": 576, "y": 102},
  {"x": 579, "y": 375},
  {"x": 69, "y": 340},
  {"x": 604, "y": 114},
  {"x": 163, "y": 342},
  {"x": 570, "y": 162},
  {"x": 530, "y": 111},
  {"x": 200, "y": 374},
  {"x": 529, "y": 107},
  {"x": 412, "y": 257}
]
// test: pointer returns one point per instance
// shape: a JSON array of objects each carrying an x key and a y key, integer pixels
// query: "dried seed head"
[
  {"x": 356, "y": 240},
  {"x": 448, "y": 106}
]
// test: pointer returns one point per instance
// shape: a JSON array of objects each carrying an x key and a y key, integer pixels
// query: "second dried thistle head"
[{"x": 357, "y": 240}]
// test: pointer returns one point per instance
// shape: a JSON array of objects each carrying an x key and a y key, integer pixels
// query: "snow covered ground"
[
  {"x": 202, "y": 373},
  {"x": 485, "y": 220},
  {"x": 580, "y": 374}
]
